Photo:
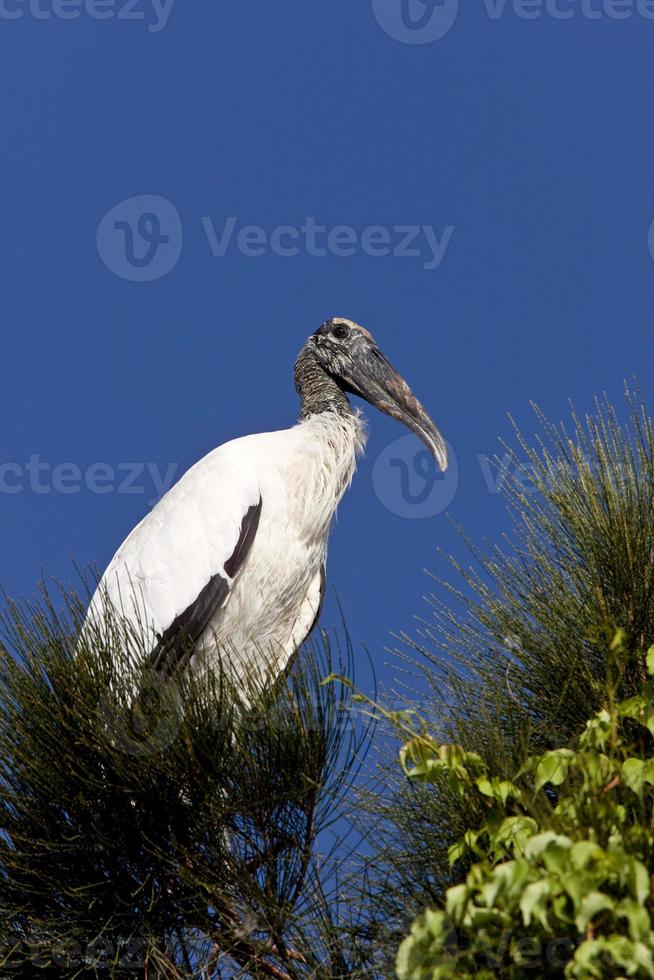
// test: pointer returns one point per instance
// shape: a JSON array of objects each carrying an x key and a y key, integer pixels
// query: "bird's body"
[
  {"x": 230, "y": 563},
  {"x": 277, "y": 597},
  {"x": 300, "y": 473}
]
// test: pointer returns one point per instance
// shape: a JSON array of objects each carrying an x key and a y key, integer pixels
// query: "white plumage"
[
  {"x": 231, "y": 561},
  {"x": 299, "y": 474}
]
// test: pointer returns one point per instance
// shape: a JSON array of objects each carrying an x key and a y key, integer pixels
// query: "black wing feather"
[{"x": 175, "y": 643}]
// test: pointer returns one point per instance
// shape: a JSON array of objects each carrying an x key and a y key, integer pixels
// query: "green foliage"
[
  {"x": 177, "y": 834},
  {"x": 513, "y": 659},
  {"x": 529, "y": 626},
  {"x": 523, "y": 830},
  {"x": 561, "y": 877}
]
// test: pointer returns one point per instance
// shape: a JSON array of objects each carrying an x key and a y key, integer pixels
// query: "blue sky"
[{"x": 512, "y": 158}]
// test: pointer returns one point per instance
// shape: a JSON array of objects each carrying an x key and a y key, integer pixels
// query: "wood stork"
[{"x": 230, "y": 564}]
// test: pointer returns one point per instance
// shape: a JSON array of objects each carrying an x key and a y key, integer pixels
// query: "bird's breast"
[{"x": 302, "y": 478}]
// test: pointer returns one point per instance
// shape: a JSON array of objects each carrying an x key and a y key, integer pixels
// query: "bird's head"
[{"x": 349, "y": 354}]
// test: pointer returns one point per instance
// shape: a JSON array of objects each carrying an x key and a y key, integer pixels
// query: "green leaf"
[
  {"x": 506, "y": 879},
  {"x": 471, "y": 838},
  {"x": 456, "y": 852},
  {"x": 533, "y": 904},
  {"x": 641, "y": 708},
  {"x": 480, "y": 918},
  {"x": 638, "y": 920},
  {"x": 635, "y": 773},
  {"x": 498, "y": 789},
  {"x": 639, "y": 881},
  {"x": 642, "y": 956},
  {"x": 588, "y": 960},
  {"x": 634, "y": 707},
  {"x": 514, "y": 832},
  {"x": 591, "y": 905},
  {"x": 585, "y": 852},
  {"x": 552, "y": 849},
  {"x": 598, "y": 731},
  {"x": 527, "y": 767},
  {"x": 506, "y": 791},
  {"x": 576, "y": 885},
  {"x": 456, "y": 899},
  {"x": 630, "y": 955},
  {"x": 553, "y": 767},
  {"x": 484, "y": 785},
  {"x": 566, "y": 810},
  {"x": 424, "y": 953},
  {"x": 420, "y": 760},
  {"x": 597, "y": 768}
]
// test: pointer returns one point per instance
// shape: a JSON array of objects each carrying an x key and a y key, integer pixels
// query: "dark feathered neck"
[{"x": 318, "y": 391}]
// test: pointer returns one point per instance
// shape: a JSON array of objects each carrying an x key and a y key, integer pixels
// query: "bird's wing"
[
  {"x": 176, "y": 568},
  {"x": 185, "y": 630}
]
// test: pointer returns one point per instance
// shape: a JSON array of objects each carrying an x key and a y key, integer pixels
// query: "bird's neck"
[{"x": 318, "y": 391}]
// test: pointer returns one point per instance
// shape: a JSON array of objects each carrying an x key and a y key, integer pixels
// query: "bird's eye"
[{"x": 340, "y": 332}]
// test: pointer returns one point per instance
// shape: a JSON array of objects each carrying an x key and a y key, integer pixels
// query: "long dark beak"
[{"x": 370, "y": 375}]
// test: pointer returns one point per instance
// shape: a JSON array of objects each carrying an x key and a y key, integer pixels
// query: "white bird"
[{"x": 229, "y": 566}]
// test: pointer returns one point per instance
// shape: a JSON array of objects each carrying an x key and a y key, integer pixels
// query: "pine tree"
[{"x": 182, "y": 833}]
